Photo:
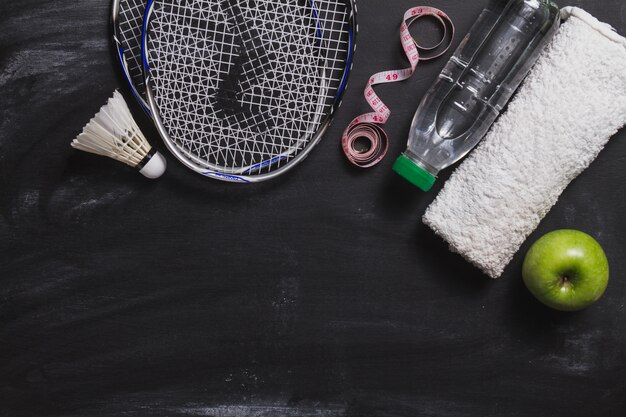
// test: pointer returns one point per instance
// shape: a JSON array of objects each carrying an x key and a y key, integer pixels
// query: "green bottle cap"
[{"x": 414, "y": 174}]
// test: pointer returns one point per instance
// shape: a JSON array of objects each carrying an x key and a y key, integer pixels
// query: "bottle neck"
[{"x": 421, "y": 163}]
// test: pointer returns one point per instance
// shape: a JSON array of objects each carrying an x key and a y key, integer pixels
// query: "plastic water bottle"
[{"x": 476, "y": 85}]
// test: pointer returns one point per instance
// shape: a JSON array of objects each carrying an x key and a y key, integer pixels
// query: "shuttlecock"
[{"x": 114, "y": 133}]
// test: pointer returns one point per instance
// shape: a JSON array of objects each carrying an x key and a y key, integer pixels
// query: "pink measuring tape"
[{"x": 364, "y": 141}]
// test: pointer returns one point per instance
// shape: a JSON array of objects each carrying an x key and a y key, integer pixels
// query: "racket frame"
[
  {"x": 197, "y": 165},
  {"x": 121, "y": 54}
]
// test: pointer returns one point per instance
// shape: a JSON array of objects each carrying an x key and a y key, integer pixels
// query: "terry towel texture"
[{"x": 573, "y": 101}]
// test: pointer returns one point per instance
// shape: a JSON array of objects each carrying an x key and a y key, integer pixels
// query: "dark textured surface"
[{"x": 320, "y": 294}]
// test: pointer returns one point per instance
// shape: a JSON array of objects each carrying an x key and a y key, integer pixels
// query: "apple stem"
[{"x": 565, "y": 281}]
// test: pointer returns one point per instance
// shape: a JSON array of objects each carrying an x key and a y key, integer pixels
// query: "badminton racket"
[
  {"x": 242, "y": 90},
  {"x": 127, "y": 18}
]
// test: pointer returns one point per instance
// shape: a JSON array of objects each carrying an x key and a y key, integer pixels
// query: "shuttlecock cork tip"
[{"x": 154, "y": 167}]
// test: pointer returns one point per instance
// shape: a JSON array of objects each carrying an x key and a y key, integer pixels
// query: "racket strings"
[{"x": 245, "y": 85}]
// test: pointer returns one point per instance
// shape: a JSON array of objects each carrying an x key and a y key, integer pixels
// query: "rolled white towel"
[{"x": 572, "y": 102}]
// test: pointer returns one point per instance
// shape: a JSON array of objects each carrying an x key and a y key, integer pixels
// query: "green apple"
[{"x": 566, "y": 270}]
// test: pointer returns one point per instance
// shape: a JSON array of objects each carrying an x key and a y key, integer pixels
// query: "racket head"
[
  {"x": 127, "y": 19},
  {"x": 224, "y": 118}
]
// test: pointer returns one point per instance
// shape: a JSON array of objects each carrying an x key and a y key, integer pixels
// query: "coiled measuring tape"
[{"x": 364, "y": 141}]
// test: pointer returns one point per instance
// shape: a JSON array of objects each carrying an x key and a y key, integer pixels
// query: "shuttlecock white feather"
[{"x": 114, "y": 133}]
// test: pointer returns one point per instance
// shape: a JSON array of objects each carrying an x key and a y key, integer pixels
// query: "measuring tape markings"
[{"x": 367, "y": 126}]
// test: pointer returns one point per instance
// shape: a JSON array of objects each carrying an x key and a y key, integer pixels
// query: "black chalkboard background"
[{"x": 319, "y": 294}]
